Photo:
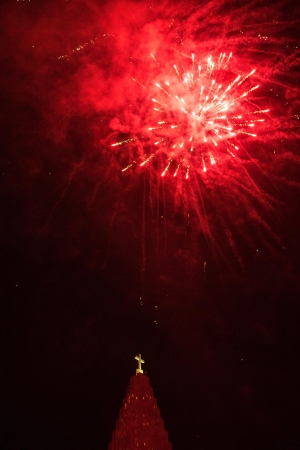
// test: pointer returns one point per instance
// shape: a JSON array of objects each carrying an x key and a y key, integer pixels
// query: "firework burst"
[{"x": 201, "y": 113}]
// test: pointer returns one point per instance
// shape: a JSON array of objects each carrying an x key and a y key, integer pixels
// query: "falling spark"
[{"x": 125, "y": 141}]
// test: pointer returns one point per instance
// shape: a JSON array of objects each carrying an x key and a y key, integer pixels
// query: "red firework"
[{"x": 202, "y": 113}]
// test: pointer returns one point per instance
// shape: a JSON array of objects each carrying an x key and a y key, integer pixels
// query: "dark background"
[{"x": 97, "y": 267}]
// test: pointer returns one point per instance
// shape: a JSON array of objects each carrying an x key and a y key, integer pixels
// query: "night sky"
[{"x": 200, "y": 276}]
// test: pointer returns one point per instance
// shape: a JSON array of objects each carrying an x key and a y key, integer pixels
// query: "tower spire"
[
  {"x": 140, "y": 362},
  {"x": 140, "y": 426}
]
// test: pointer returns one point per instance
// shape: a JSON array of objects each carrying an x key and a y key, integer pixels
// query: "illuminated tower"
[{"x": 139, "y": 425}]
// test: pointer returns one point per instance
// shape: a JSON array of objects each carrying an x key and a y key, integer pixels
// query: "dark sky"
[{"x": 201, "y": 276}]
